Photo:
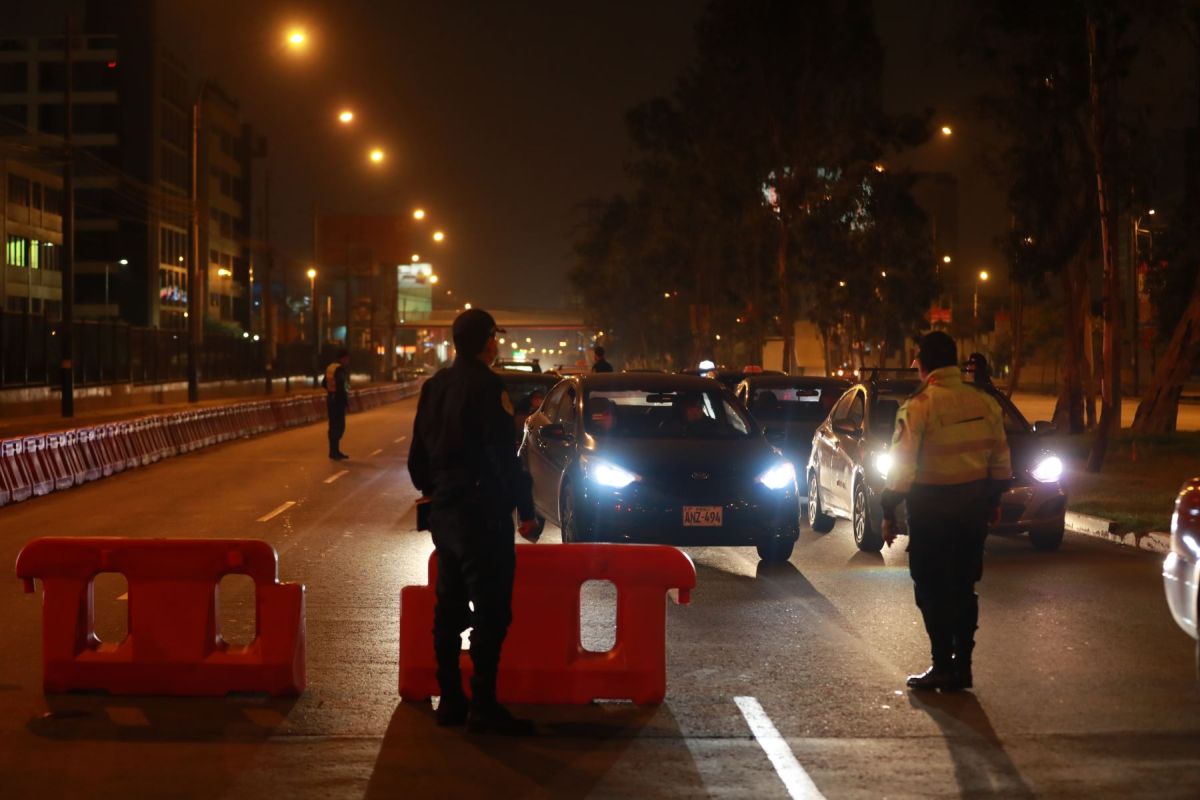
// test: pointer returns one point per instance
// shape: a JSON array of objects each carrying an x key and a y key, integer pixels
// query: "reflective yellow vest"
[{"x": 947, "y": 433}]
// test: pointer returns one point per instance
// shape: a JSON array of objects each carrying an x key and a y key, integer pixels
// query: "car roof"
[
  {"x": 520, "y": 376},
  {"x": 650, "y": 381}
]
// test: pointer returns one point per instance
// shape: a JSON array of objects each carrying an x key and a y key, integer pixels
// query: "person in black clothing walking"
[
  {"x": 337, "y": 400},
  {"x": 464, "y": 457},
  {"x": 599, "y": 364}
]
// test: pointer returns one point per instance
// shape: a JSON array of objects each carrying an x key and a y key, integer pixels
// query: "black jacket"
[
  {"x": 602, "y": 365},
  {"x": 464, "y": 449}
]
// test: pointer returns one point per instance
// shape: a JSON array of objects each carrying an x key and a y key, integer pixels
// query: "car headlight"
[
  {"x": 883, "y": 463},
  {"x": 780, "y": 476},
  {"x": 607, "y": 474},
  {"x": 1048, "y": 470}
]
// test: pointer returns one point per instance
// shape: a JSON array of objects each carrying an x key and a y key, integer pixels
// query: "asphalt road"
[{"x": 1085, "y": 687}]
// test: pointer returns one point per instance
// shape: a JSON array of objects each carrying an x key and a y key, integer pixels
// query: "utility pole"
[
  {"x": 68, "y": 225},
  {"x": 268, "y": 303},
  {"x": 195, "y": 310}
]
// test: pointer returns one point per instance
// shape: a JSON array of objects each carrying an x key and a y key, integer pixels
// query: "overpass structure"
[{"x": 506, "y": 319}]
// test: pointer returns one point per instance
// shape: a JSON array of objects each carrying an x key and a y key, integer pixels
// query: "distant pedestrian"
[
  {"x": 599, "y": 364},
  {"x": 337, "y": 400},
  {"x": 980, "y": 371},
  {"x": 464, "y": 457},
  {"x": 950, "y": 465}
]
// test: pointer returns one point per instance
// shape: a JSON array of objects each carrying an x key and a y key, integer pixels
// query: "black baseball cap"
[{"x": 472, "y": 329}]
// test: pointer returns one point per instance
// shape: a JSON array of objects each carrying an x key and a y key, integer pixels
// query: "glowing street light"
[
  {"x": 346, "y": 117},
  {"x": 981, "y": 278},
  {"x": 297, "y": 39},
  {"x": 376, "y": 155},
  {"x": 983, "y": 275},
  {"x": 415, "y": 258},
  {"x": 433, "y": 278},
  {"x": 438, "y": 236},
  {"x": 312, "y": 274},
  {"x": 419, "y": 213},
  {"x": 947, "y": 130},
  {"x": 946, "y": 259}
]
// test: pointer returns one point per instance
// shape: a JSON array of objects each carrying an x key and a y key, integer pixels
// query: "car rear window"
[{"x": 791, "y": 404}]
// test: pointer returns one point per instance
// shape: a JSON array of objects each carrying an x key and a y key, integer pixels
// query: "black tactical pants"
[
  {"x": 476, "y": 564},
  {"x": 947, "y": 527},
  {"x": 337, "y": 425}
]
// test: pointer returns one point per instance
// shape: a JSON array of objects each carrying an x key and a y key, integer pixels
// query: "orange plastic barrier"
[
  {"x": 173, "y": 646},
  {"x": 543, "y": 660}
]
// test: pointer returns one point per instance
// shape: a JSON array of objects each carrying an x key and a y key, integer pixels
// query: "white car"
[{"x": 1181, "y": 569}]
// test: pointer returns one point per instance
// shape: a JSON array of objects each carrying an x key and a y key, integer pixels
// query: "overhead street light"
[
  {"x": 376, "y": 155},
  {"x": 415, "y": 258},
  {"x": 947, "y": 130},
  {"x": 346, "y": 117},
  {"x": 297, "y": 39},
  {"x": 419, "y": 213},
  {"x": 438, "y": 236}
]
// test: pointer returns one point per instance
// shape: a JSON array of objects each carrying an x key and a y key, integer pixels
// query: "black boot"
[
  {"x": 962, "y": 672},
  {"x": 488, "y": 716},
  {"x": 936, "y": 677},
  {"x": 452, "y": 710}
]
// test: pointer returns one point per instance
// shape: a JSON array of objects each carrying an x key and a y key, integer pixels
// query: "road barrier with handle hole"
[
  {"x": 543, "y": 660},
  {"x": 174, "y": 644}
]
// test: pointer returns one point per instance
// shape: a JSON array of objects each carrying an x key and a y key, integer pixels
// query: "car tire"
[
  {"x": 868, "y": 538},
  {"x": 568, "y": 516},
  {"x": 776, "y": 550},
  {"x": 818, "y": 520},
  {"x": 1047, "y": 538}
]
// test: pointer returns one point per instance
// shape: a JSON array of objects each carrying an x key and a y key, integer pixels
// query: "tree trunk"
[
  {"x": 1159, "y": 407},
  {"x": 786, "y": 320},
  {"x": 1018, "y": 321},
  {"x": 1068, "y": 411},
  {"x": 1102, "y": 104}
]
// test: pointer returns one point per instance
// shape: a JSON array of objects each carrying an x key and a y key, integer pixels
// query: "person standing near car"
[
  {"x": 950, "y": 465},
  {"x": 599, "y": 362},
  {"x": 464, "y": 458},
  {"x": 337, "y": 400}
]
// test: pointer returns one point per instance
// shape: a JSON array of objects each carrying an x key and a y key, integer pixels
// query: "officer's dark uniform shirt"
[
  {"x": 464, "y": 448},
  {"x": 335, "y": 386}
]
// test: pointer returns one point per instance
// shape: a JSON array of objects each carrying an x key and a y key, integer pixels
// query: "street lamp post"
[
  {"x": 312, "y": 301},
  {"x": 982, "y": 277}
]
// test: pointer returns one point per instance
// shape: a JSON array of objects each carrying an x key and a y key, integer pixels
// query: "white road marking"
[
  {"x": 273, "y": 514},
  {"x": 794, "y": 778},
  {"x": 398, "y": 441},
  {"x": 375, "y": 453},
  {"x": 336, "y": 475}
]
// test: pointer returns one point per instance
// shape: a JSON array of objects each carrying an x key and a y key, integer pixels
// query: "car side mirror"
[
  {"x": 555, "y": 432},
  {"x": 847, "y": 428},
  {"x": 1044, "y": 428}
]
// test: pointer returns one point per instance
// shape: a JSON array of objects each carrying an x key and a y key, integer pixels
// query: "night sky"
[{"x": 501, "y": 118}]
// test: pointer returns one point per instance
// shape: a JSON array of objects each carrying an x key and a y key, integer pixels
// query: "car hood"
[{"x": 664, "y": 458}]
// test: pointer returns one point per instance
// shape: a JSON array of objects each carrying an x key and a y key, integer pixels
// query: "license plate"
[{"x": 703, "y": 516}]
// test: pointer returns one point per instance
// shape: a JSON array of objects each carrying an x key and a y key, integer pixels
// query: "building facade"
[{"x": 31, "y": 228}]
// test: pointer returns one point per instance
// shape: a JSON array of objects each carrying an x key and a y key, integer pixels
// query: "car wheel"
[
  {"x": 818, "y": 520},
  {"x": 776, "y": 550},
  {"x": 568, "y": 515},
  {"x": 868, "y": 537},
  {"x": 1047, "y": 538}
]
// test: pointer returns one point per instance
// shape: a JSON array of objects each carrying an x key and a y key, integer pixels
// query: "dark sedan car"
[
  {"x": 790, "y": 408},
  {"x": 667, "y": 459},
  {"x": 850, "y": 461}
]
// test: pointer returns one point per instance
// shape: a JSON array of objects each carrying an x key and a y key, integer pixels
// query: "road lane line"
[
  {"x": 273, "y": 514},
  {"x": 794, "y": 778},
  {"x": 376, "y": 452},
  {"x": 336, "y": 475},
  {"x": 398, "y": 441}
]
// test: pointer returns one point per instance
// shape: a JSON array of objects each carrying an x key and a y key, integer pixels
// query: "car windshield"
[
  {"x": 793, "y": 404},
  {"x": 667, "y": 414}
]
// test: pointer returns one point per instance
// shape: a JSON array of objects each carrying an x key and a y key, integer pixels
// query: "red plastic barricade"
[
  {"x": 543, "y": 659},
  {"x": 173, "y": 646}
]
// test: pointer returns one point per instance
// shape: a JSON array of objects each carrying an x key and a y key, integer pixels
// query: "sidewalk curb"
[{"x": 1100, "y": 528}]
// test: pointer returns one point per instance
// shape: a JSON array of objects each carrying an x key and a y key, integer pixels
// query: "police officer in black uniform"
[
  {"x": 337, "y": 400},
  {"x": 600, "y": 363},
  {"x": 464, "y": 457}
]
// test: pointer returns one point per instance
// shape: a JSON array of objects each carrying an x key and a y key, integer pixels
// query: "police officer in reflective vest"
[
  {"x": 337, "y": 399},
  {"x": 950, "y": 465},
  {"x": 464, "y": 457}
]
